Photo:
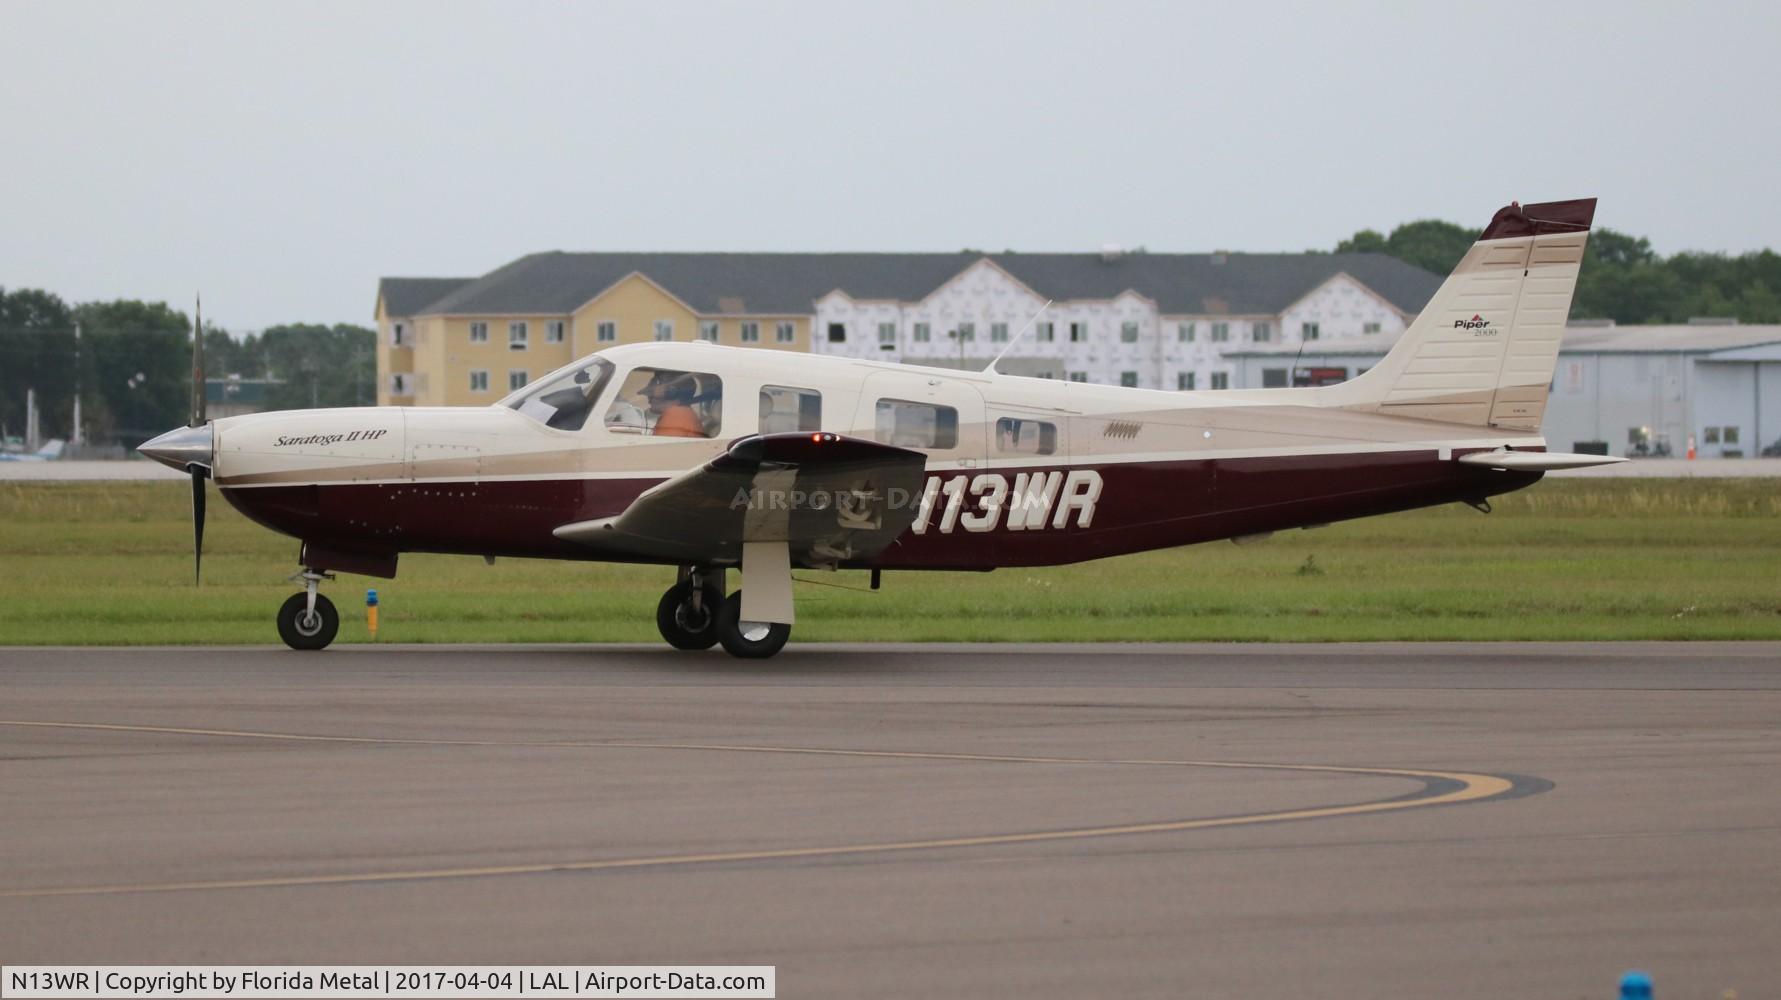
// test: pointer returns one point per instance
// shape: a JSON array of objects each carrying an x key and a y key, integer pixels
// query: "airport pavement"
[{"x": 1460, "y": 820}]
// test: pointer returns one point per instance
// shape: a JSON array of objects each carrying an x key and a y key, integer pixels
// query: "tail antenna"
[{"x": 991, "y": 367}]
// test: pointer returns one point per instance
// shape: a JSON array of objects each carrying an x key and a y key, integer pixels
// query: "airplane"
[
  {"x": 711, "y": 458},
  {"x": 50, "y": 451}
]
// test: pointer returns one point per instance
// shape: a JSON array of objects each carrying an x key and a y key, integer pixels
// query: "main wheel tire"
[
  {"x": 679, "y": 624},
  {"x": 299, "y": 630},
  {"x": 748, "y": 640}
]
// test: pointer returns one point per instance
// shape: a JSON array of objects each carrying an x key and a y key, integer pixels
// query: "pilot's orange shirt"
[{"x": 679, "y": 421}]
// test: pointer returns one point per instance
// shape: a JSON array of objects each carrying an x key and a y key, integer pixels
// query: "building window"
[
  {"x": 1129, "y": 379},
  {"x": 399, "y": 335},
  {"x": 1221, "y": 332},
  {"x": 399, "y": 385},
  {"x": 783, "y": 333},
  {"x": 1128, "y": 333},
  {"x": 1369, "y": 328},
  {"x": 553, "y": 331},
  {"x": 517, "y": 335},
  {"x": 751, "y": 333},
  {"x": 1078, "y": 333},
  {"x": 708, "y": 330},
  {"x": 1221, "y": 380},
  {"x": 967, "y": 332},
  {"x": 517, "y": 379},
  {"x": 837, "y": 333},
  {"x": 1261, "y": 333},
  {"x": 1079, "y": 376},
  {"x": 910, "y": 424},
  {"x": 1026, "y": 437},
  {"x": 664, "y": 329},
  {"x": 1184, "y": 332},
  {"x": 606, "y": 331},
  {"x": 1044, "y": 333},
  {"x": 998, "y": 333},
  {"x": 1185, "y": 381},
  {"x": 785, "y": 409},
  {"x": 1273, "y": 378},
  {"x": 479, "y": 381},
  {"x": 1730, "y": 434},
  {"x": 1308, "y": 331},
  {"x": 887, "y": 336},
  {"x": 479, "y": 333},
  {"x": 923, "y": 333}
]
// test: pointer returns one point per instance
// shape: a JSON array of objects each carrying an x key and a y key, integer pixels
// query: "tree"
[
  {"x": 320, "y": 365},
  {"x": 36, "y": 352},
  {"x": 141, "y": 381}
]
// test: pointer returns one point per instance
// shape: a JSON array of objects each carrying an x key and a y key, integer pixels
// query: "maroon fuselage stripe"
[{"x": 1142, "y": 506}]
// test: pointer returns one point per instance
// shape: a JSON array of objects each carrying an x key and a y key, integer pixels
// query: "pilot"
[{"x": 671, "y": 403}]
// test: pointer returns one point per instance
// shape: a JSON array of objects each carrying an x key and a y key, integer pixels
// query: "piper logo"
[{"x": 1477, "y": 322}]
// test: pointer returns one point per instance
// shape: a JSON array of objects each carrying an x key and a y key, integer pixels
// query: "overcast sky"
[{"x": 282, "y": 157}]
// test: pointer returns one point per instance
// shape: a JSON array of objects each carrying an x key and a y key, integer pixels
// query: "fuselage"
[{"x": 1019, "y": 471}]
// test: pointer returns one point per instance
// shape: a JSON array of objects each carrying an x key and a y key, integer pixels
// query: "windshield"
[{"x": 564, "y": 398}]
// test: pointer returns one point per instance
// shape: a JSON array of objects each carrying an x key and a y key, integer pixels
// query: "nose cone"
[{"x": 183, "y": 448}]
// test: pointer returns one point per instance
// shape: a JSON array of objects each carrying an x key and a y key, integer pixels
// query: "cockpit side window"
[
  {"x": 564, "y": 398},
  {"x": 667, "y": 403}
]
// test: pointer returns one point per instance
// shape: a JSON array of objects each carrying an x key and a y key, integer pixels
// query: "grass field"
[{"x": 110, "y": 563}]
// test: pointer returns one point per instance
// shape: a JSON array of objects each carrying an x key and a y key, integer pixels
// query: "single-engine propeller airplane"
[{"x": 710, "y": 458}]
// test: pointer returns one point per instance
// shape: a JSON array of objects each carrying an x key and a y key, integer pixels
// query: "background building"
[
  {"x": 1632, "y": 390},
  {"x": 1159, "y": 321}
]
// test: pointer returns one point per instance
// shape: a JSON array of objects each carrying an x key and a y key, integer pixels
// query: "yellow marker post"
[{"x": 371, "y": 613}]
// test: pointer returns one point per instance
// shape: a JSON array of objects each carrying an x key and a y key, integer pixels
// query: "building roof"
[
  {"x": 790, "y": 283},
  {"x": 406, "y": 296},
  {"x": 1581, "y": 339},
  {"x": 1666, "y": 338}
]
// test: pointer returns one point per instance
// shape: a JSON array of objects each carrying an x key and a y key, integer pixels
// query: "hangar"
[{"x": 1619, "y": 390}]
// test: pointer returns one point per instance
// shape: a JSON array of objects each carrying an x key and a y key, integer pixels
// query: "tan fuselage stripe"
[{"x": 1472, "y": 788}]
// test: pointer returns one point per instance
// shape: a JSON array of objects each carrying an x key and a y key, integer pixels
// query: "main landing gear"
[
  {"x": 308, "y": 620},
  {"x": 695, "y": 614}
]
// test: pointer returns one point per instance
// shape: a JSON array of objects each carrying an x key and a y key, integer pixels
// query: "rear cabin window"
[
  {"x": 562, "y": 399},
  {"x": 1021, "y": 436},
  {"x": 664, "y": 402},
  {"x": 916, "y": 425},
  {"x": 785, "y": 408}
]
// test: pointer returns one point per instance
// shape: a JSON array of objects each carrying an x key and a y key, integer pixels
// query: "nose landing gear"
[{"x": 308, "y": 620}]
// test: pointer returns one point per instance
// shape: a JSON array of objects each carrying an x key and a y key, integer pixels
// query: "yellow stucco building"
[{"x": 468, "y": 342}]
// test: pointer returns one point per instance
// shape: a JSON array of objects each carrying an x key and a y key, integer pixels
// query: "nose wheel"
[{"x": 308, "y": 620}]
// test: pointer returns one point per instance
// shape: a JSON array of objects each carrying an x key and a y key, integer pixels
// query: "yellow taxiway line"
[{"x": 1471, "y": 787}]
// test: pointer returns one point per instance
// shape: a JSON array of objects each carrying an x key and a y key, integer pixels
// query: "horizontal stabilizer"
[{"x": 1536, "y": 461}]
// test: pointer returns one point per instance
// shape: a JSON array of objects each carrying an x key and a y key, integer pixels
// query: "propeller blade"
[
  {"x": 197, "y": 526},
  {"x": 198, "y": 401}
]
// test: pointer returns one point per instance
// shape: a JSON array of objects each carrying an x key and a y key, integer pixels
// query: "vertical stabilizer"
[{"x": 1483, "y": 350}]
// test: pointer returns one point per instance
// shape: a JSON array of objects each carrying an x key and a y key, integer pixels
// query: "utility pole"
[
  {"x": 77, "y": 439},
  {"x": 30, "y": 419}
]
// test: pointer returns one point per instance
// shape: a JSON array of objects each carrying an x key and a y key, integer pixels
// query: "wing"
[{"x": 830, "y": 498}]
